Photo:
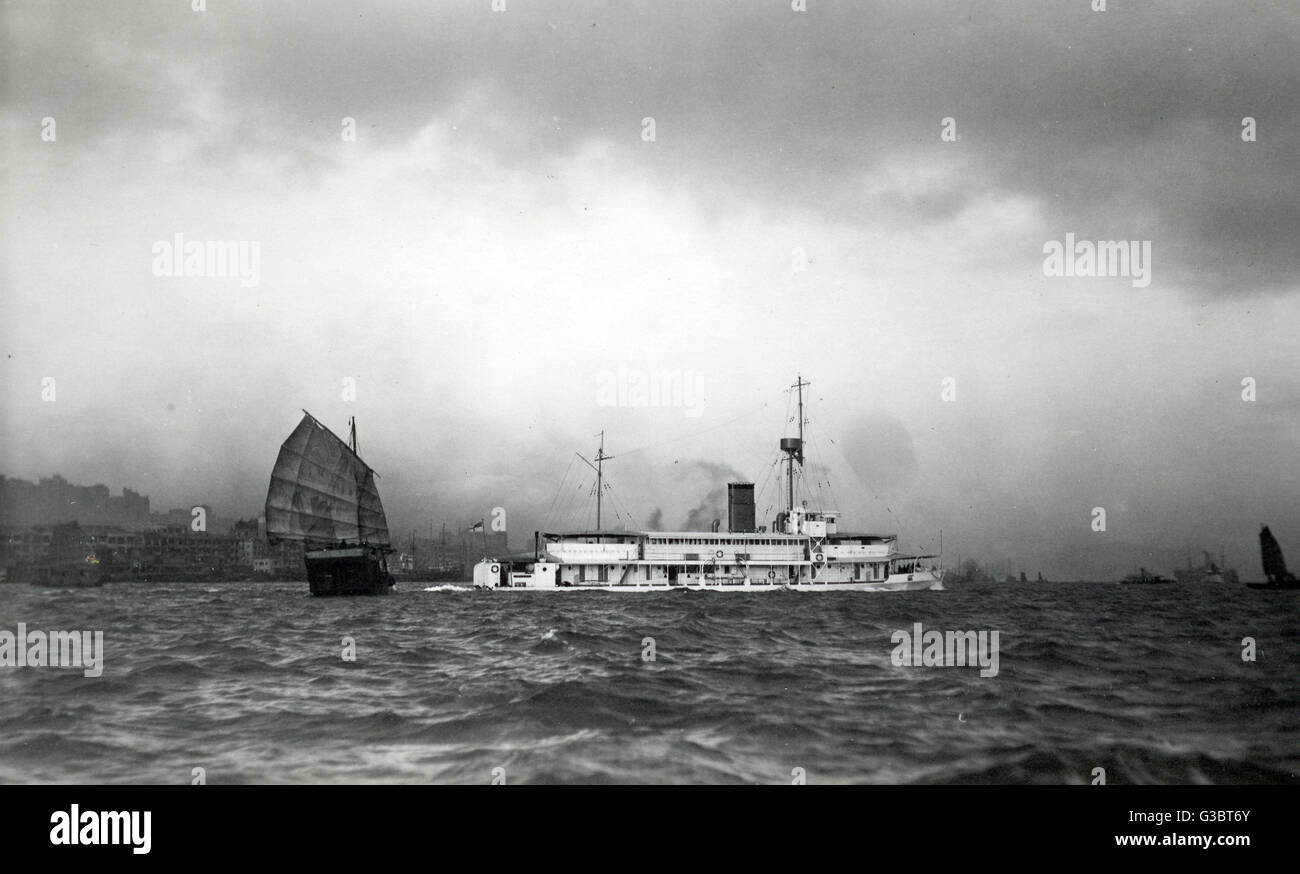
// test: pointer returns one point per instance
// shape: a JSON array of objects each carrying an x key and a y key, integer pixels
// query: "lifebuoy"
[
  {"x": 818, "y": 557},
  {"x": 771, "y": 575},
  {"x": 496, "y": 569},
  {"x": 718, "y": 554}
]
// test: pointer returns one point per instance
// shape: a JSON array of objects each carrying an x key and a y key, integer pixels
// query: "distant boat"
[
  {"x": 1142, "y": 577},
  {"x": 446, "y": 569},
  {"x": 324, "y": 496},
  {"x": 1210, "y": 571},
  {"x": 79, "y": 575},
  {"x": 1274, "y": 564},
  {"x": 70, "y": 564}
]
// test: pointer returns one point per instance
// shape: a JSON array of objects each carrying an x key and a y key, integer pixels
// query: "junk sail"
[
  {"x": 1271, "y": 558},
  {"x": 1274, "y": 565},
  {"x": 322, "y": 493}
]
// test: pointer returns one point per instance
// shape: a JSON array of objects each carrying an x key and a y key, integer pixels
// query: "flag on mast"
[{"x": 477, "y": 526}]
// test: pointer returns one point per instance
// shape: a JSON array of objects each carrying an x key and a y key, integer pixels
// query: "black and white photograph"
[{"x": 891, "y": 394}]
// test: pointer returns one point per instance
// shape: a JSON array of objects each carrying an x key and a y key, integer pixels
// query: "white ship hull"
[
  {"x": 930, "y": 580},
  {"x": 632, "y": 562}
]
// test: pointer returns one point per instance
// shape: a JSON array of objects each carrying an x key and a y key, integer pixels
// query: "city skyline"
[{"x": 458, "y": 534}]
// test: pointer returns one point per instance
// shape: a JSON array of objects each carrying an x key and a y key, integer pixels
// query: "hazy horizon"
[{"x": 864, "y": 196}]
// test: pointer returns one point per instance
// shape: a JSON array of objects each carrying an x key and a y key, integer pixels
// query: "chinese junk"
[
  {"x": 1274, "y": 564},
  {"x": 804, "y": 551},
  {"x": 323, "y": 495}
]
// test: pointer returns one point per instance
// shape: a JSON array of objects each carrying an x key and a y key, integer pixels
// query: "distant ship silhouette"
[{"x": 1274, "y": 564}]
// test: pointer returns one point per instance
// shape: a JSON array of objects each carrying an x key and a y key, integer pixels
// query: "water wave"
[{"x": 261, "y": 683}]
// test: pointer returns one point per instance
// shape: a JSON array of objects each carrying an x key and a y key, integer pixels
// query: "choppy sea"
[{"x": 251, "y": 683}]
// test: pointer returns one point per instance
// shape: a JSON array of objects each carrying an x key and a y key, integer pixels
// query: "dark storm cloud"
[{"x": 1118, "y": 125}]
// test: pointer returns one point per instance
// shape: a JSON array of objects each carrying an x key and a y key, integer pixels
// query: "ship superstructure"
[
  {"x": 1210, "y": 571},
  {"x": 804, "y": 550}
]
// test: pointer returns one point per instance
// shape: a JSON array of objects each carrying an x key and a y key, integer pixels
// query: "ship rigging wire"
[
  {"x": 764, "y": 405},
  {"x": 556, "y": 497},
  {"x": 807, "y": 486}
]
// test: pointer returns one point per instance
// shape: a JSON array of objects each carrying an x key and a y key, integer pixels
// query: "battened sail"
[
  {"x": 322, "y": 493},
  {"x": 1271, "y": 557}
]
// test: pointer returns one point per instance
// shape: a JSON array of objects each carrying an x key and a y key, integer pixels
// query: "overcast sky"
[{"x": 508, "y": 233}]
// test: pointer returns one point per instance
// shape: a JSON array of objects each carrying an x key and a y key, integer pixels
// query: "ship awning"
[{"x": 519, "y": 558}]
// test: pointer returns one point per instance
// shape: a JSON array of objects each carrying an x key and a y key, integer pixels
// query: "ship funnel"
[{"x": 740, "y": 508}]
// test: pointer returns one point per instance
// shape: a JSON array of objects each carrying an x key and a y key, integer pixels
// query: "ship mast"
[
  {"x": 793, "y": 446},
  {"x": 352, "y": 443},
  {"x": 598, "y": 467}
]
